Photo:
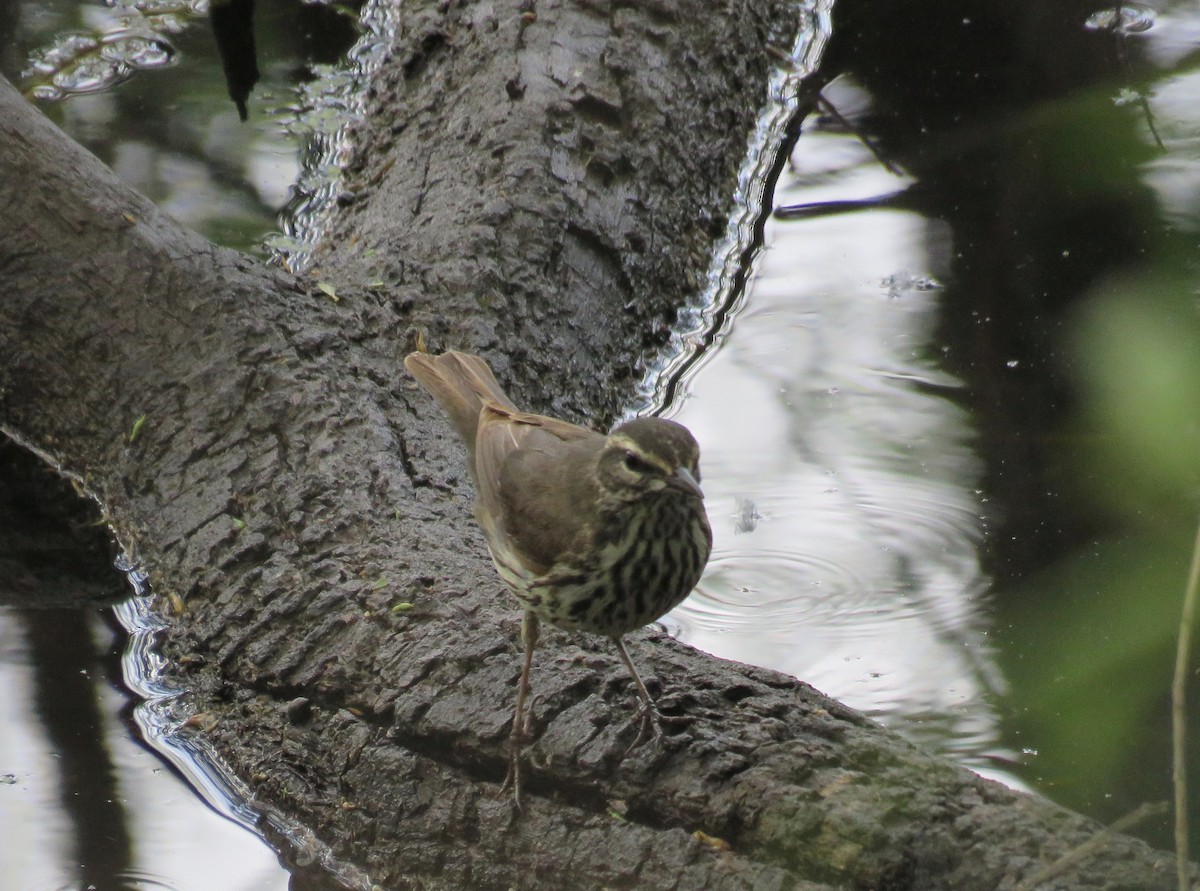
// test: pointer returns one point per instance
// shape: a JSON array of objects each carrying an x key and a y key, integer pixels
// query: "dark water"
[{"x": 951, "y": 429}]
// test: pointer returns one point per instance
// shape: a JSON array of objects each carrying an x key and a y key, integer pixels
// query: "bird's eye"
[{"x": 637, "y": 464}]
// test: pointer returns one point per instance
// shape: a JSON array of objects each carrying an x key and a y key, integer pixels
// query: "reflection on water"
[
  {"x": 83, "y": 802},
  {"x": 173, "y": 133},
  {"x": 825, "y": 410}
]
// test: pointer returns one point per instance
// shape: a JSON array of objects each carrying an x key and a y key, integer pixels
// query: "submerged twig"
[
  {"x": 831, "y": 110},
  {"x": 1187, "y": 619}
]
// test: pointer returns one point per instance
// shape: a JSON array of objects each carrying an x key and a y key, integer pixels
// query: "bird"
[{"x": 590, "y": 532}]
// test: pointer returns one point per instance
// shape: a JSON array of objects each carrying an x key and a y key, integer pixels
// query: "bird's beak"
[{"x": 683, "y": 480}]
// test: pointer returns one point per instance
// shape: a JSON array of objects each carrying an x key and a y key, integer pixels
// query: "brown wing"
[{"x": 535, "y": 481}]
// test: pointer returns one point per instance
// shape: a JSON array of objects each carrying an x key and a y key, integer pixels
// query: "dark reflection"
[
  {"x": 324, "y": 32},
  {"x": 53, "y": 552},
  {"x": 62, "y": 656},
  {"x": 233, "y": 28},
  {"x": 9, "y": 50},
  {"x": 905, "y": 199},
  {"x": 1004, "y": 114},
  {"x": 56, "y": 670},
  {"x": 55, "y": 560}
]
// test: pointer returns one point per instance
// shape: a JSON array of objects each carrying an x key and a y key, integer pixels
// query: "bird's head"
[{"x": 650, "y": 456}]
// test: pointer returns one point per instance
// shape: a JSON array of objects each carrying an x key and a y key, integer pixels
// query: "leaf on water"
[
  {"x": 328, "y": 290},
  {"x": 137, "y": 427}
]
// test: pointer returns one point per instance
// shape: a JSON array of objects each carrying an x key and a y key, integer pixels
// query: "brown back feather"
[{"x": 533, "y": 475}]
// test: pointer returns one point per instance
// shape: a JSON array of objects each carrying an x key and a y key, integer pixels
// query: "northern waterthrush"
[{"x": 590, "y": 532}]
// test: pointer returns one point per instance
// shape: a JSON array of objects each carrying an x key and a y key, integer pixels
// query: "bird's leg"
[
  {"x": 520, "y": 728},
  {"x": 531, "y": 632},
  {"x": 647, "y": 713}
]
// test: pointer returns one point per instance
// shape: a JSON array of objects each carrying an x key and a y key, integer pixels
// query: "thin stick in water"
[{"x": 1187, "y": 620}]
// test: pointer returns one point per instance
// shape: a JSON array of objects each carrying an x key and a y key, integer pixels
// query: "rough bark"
[{"x": 289, "y": 486}]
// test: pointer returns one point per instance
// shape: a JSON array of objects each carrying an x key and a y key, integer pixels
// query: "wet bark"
[{"x": 542, "y": 187}]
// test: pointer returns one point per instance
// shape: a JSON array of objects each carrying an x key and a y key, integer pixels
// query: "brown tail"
[{"x": 460, "y": 383}]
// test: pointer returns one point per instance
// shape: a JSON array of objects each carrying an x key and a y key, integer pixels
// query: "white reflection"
[
  {"x": 825, "y": 411},
  {"x": 36, "y": 833},
  {"x": 1174, "y": 175}
]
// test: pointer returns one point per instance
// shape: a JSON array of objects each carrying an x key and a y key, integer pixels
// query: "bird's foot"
[
  {"x": 649, "y": 725},
  {"x": 512, "y": 780},
  {"x": 517, "y": 741}
]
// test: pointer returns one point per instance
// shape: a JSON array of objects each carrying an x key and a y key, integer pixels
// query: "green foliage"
[
  {"x": 1094, "y": 639},
  {"x": 1138, "y": 348},
  {"x": 1097, "y": 637}
]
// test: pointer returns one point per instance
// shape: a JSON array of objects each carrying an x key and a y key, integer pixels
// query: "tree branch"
[{"x": 543, "y": 186}]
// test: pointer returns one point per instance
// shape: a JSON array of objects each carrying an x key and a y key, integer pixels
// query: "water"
[
  {"x": 949, "y": 431},
  {"x": 84, "y": 802},
  {"x": 826, "y": 410},
  {"x": 170, "y": 129}
]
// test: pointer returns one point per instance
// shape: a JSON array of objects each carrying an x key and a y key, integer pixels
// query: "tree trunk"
[{"x": 543, "y": 185}]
